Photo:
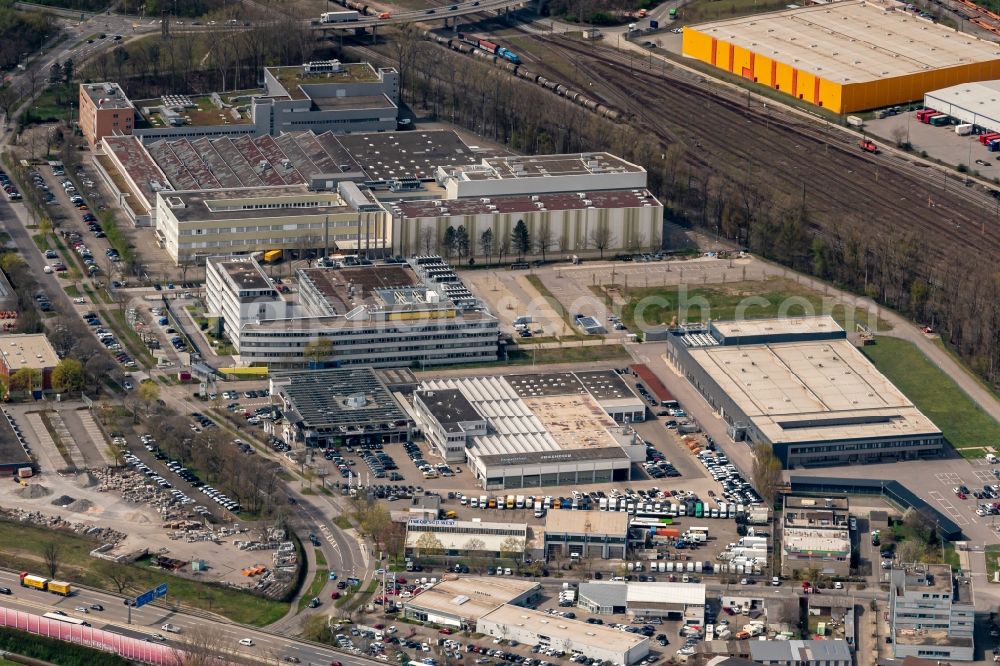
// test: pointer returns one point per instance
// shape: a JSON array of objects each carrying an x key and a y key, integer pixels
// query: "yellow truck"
[{"x": 44, "y": 584}]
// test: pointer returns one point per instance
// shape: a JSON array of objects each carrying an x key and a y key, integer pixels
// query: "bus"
[{"x": 66, "y": 619}]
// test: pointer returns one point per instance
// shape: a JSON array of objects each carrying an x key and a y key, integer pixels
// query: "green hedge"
[{"x": 56, "y": 651}]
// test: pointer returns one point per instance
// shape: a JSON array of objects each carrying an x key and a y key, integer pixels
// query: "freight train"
[
  {"x": 472, "y": 46},
  {"x": 490, "y": 47}
]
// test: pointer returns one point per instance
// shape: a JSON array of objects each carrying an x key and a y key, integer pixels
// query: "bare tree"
[
  {"x": 121, "y": 576},
  {"x": 427, "y": 238},
  {"x": 601, "y": 237},
  {"x": 544, "y": 238},
  {"x": 52, "y": 554}
]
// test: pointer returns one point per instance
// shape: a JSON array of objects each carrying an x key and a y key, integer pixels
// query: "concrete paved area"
[{"x": 940, "y": 143}]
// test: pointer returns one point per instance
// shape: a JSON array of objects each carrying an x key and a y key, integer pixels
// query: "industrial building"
[
  {"x": 467, "y": 538},
  {"x": 675, "y": 601},
  {"x": 384, "y": 315},
  {"x": 338, "y": 407},
  {"x": 927, "y": 615},
  {"x": 514, "y": 438},
  {"x": 460, "y": 602},
  {"x": 323, "y": 96},
  {"x": 844, "y": 56},
  {"x": 606, "y": 387},
  {"x": 28, "y": 351},
  {"x": 977, "y": 102},
  {"x": 815, "y": 534},
  {"x": 586, "y": 534},
  {"x": 193, "y": 225},
  {"x": 14, "y": 449},
  {"x": 801, "y": 653},
  {"x": 578, "y": 203},
  {"x": 533, "y": 627},
  {"x": 104, "y": 111},
  {"x": 798, "y": 386}
]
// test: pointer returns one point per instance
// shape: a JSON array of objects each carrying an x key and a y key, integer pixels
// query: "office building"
[
  {"x": 338, "y": 407},
  {"x": 193, "y": 225},
  {"x": 104, "y": 111},
  {"x": 798, "y": 386},
  {"x": 384, "y": 315},
  {"x": 928, "y": 616},
  {"x": 815, "y": 535},
  {"x": 28, "y": 351}
]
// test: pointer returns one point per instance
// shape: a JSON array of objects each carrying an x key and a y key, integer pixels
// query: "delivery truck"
[{"x": 45, "y": 584}]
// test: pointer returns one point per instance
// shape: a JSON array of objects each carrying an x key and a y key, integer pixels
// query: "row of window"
[
  {"x": 436, "y": 333},
  {"x": 456, "y": 529},
  {"x": 843, "y": 447}
]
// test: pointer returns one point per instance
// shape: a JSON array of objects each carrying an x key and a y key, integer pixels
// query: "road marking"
[{"x": 984, "y": 475}]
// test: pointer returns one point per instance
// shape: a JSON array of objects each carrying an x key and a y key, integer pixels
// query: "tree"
[
  {"x": 149, "y": 393},
  {"x": 25, "y": 379},
  {"x": 462, "y": 242},
  {"x": 512, "y": 548},
  {"x": 544, "y": 239},
  {"x": 449, "y": 241},
  {"x": 67, "y": 376},
  {"x": 45, "y": 227},
  {"x": 318, "y": 350},
  {"x": 52, "y": 553},
  {"x": 427, "y": 238},
  {"x": 428, "y": 544},
  {"x": 766, "y": 473},
  {"x": 55, "y": 72},
  {"x": 67, "y": 70},
  {"x": 120, "y": 575},
  {"x": 601, "y": 237},
  {"x": 520, "y": 239},
  {"x": 74, "y": 276},
  {"x": 486, "y": 243},
  {"x": 475, "y": 553},
  {"x": 910, "y": 550}
]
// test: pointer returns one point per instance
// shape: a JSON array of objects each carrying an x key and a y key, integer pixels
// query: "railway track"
[{"x": 902, "y": 192}]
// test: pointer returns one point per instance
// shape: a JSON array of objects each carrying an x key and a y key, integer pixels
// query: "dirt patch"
[
  {"x": 63, "y": 500},
  {"x": 33, "y": 491},
  {"x": 86, "y": 479}
]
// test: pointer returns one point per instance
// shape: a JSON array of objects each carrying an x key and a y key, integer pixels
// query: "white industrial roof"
[
  {"x": 812, "y": 391},
  {"x": 471, "y": 597},
  {"x": 531, "y": 425},
  {"x": 689, "y": 594},
  {"x": 979, "y": 101},
  {"x": 772, "y": 326},
  {"x": 852, "y": 41},
  {"x": 594, "y": 523},
  {"x": 560, "y": 629}
]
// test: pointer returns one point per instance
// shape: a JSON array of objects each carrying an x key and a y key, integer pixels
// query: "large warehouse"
[
  {"x": 844, "y": 56},
  {"x": 514, "y": 438},
  {"x": 798, "y": 385},
  {"x": 977, "y": 103}
]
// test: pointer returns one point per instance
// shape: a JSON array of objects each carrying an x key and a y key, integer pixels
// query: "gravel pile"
[
  {"x": 33, "y": 491},
  {"x": 64, "y": 500}
]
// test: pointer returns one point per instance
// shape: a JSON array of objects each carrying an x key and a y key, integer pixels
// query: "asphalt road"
[{"x": 149, "y": 619}]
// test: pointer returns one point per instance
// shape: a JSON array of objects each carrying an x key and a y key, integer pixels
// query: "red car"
[
  {"x": 335, "y": 595},
  {"x": 446, "y": 631},
  {"x": 961, "y": 496}
]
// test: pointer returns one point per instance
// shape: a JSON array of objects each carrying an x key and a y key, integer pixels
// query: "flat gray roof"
[
  {"x": 449, "y": 406},
  {"x": 247, "y": 203},
  {"x": 106, "y": 95},
  {"x": 245, "y": 272},
  {"x": 776, "y": 326},
  {"x": 813, "y": 651},
  {"x": 339, "y": 399},
  {"x": 812, "y": 391},
  {"x": 12, "y": 454},
  {"x": 604, "y": 593},
  {"x": 587, "y": 522},
  {"x": 543, "y": 166},
  {"x": 390, "y": 155}
]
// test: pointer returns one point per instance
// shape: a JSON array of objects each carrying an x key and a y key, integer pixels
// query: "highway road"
[{"x": 148, "y": 620}]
